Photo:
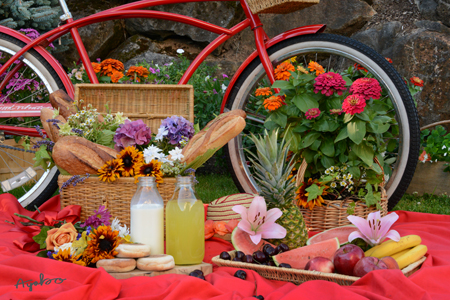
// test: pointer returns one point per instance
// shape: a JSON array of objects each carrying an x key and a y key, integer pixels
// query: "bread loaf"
[
  {"x": 60, "y": 100},
  {"x": 54, "y": 127},
  {"x": 161, "y": 262},
  {"x": 234, "y": 112},
  {"x": 46, "y": 114},
  {"x": 117, "y": 265},
  {"x": 133, "y": 250},
  {"x": 78, "y": 156}
]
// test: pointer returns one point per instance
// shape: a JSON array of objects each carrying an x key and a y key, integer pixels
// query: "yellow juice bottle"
[{"x": 185, "y": 225}]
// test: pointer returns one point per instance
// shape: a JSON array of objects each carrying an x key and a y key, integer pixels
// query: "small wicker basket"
[
  {"x": 279, "y": 6},
  {"x": 298, "y": 276},
  {"x": 333, "y": 213},
  {"x": 116, "y": 196}
]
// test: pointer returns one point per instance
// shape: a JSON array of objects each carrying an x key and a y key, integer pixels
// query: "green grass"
[{"x": 212, "y": 186}]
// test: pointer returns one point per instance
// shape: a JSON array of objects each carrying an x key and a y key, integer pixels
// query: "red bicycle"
[{"x": 26, "y": 56}]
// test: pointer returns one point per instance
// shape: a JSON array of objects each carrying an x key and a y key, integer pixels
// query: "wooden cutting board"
[{"x": 205, "y": 267}]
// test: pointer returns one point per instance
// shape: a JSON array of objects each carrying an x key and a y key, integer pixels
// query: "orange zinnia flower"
[
  {"x": 116, "y": 76},
  {"x": 97, "y": 67},
  {"x": 110, "y": 66},
  {"x": 282, "y": 71},
  {"x": 416, "y": 81},
  {"x": 273, "y": 103},
  {"x": 313, "y": 66},
  {"x": 263, "y": 92},
  {"x": 388, "y": 59},
  {"x": 303, "y": 70},
  {"x": 137, "y": 71},
  {"x": 359, "y": 67}
]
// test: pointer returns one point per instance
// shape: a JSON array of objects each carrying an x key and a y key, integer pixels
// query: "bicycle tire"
[
  {"x": 48, "y": 183},
  {"x": 405, "y": 108}
]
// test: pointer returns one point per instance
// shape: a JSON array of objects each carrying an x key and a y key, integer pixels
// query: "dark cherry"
[
  {"x": 269, "y": 251},
  {"x": 271, "y": 263},
  {"x": 259, "y": 256},
  {"x": 236, "y": 259},
  {"x": 259, "y": 297},
  {"x": 240, "y": 274},
  {"x": 283, "y": 265},
  {"x": 282, "y": 248},
  {"x": 224, "y": 255},
  {"x": 265, "y": 263},
  {"x": 197, "y": 273},
  {"x": 248, "y": 259},
  {"x": 201, "y": 277},
  {"x": 240, "y": 255}
]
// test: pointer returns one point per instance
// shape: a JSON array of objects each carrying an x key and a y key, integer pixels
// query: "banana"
[
  {"x": 371, "y": 250},
  {"x": 411, "y": 256},
  {"x": 398, "y": 254},
  {"x": 390, "y": 248}
]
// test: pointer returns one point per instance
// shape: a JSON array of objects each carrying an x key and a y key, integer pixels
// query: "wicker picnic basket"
[
  {"x": 298, "y": 276},
  {"x": 148, "y": 102},
  {"x": 279, "y": 6},
  {"x": 333, "y": 213}
]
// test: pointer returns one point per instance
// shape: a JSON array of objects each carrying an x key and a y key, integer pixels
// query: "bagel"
[
  {"x": 117, "y": 265},
  {"x": 161, "y": 262},
  {"x": 133, "y": 250}
]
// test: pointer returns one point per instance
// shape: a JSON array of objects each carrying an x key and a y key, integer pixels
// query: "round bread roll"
[
  {"x": 161, "y": 262},
  {"x": 117, "y": 265},
  {"x": 133, "y": 250}
]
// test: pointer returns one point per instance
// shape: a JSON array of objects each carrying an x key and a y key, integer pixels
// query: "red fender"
[
  {"x": 310, "y": 29},
  {"x": 47, "y": 56}
]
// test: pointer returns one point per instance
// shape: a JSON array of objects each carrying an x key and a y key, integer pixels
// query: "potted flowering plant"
[{"x": 338, "y": 124}]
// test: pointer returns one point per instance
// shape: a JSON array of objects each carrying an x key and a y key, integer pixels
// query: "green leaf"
[
  {"x": 309, "y": 139},
  {"x": 314, "y": 191},
  {"x": 279, "y": 118},
  {"x": 355, "y": 171},
  {"x": 327, "y": 161},
  {"x": 42, "y": 236},
  {"x": 351, "y": 208},
  {"x": 343, "y": 134},
  {"x": 282, "y": 84},
  {"x": 327, "y": 147},
  {"x": 307, "y": 77},
  {"x": 305, "y": 102},
  {"x": 106, "y": 138},
  {"x": 348, "y": 118},
  {"x": 315, "y": 146},
  {"x": 348, "y": 81},
  {"x": 363, "y": 116},
  {"x": 392, "y": 144},
  {"x": 371, "y": 197},
  {"x": 356, "y": 131},
  {"x": 42, "y": 253},
  {"x": 365, "y": 152}
]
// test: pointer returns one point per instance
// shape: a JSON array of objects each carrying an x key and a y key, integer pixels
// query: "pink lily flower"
[
  {"x": 258, "y": 222},
  {"x": 375, "y": 229}
]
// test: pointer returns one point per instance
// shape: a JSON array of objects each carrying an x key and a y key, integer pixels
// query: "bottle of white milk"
[{"x": 147, "y": 216}]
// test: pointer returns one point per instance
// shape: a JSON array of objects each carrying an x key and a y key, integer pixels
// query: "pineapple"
[{"x": 271, "y": 172}]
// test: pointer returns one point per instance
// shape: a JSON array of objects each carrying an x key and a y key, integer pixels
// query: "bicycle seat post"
[{"x": 67, "y": 15}]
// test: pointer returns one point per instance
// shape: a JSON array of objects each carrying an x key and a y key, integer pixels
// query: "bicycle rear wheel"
[
  {"x": 338, "y": 53},
  {"x": 33, "y": 83}
]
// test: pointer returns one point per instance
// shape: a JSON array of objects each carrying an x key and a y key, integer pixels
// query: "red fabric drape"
[{"x": 16, "y": 264}]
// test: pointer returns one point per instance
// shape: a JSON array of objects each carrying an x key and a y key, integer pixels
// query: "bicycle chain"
[{"x": 17, "y": 149}]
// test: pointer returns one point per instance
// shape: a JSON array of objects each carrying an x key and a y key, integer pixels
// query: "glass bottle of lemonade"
[
  {"x": 147, "y": 216},
  {"x": 185, "y": 224}
]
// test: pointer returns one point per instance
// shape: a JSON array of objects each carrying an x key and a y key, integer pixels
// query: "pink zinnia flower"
[
  {"x": 367, "y": 88},
  {"x": 335, "y": 111},
  {"x": 354, "y": 104},
  {"x": 312, "y": 113},
  {"x": 329, "y": 83}
]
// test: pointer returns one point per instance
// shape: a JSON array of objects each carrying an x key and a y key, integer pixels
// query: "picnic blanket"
[{"x": 25, "y": 276}]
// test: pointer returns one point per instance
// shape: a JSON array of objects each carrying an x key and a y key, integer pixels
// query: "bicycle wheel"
[
  {"x": 333, "y": 52},
  {"x": 32, "y": 83}
]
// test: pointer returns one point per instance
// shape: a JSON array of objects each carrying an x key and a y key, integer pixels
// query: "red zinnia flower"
[
  {"x": 416, "y": 81},
  {"x": 329, "y": 83},
  {"x": 359, "y": 67},
  {"x": 388, "y": 59},
  {"x": 312, "y": 113},
  {"x": 354, "y": 104},
  {"x": 367, "y": 88}
]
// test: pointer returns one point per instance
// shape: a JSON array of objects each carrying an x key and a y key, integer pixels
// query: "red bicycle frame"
[{"x": 132, "y": 11}]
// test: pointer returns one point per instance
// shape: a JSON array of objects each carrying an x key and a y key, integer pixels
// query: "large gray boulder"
[{"x": 436, "y": 10}]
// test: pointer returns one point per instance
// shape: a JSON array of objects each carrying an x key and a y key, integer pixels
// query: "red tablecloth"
[{"x": 431, "y": 282}]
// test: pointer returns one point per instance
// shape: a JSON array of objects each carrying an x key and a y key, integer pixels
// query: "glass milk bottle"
[
  {"x": 185, "y": 224},
  {"x": 147, "y": 216}
]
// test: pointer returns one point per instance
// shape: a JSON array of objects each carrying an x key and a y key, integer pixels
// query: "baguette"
[
  {"x": 234, "y": 112},
  {"x": 45, "y": 115},
  {"x": 60, "y": 100},
  {"x": 54, "y": 128}
]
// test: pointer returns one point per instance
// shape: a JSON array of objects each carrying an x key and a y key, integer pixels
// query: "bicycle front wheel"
[
  {"x": 32, "y": 83},
  {"x": 334, "y": 53}
]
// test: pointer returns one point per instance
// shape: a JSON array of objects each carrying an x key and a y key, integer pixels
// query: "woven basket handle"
[{"x": 302, "y": 169}]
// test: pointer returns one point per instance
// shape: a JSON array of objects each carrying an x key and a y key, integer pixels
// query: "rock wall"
[{"x": 414, "y": 34}]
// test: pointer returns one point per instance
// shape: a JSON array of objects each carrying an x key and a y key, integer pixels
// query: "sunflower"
[
  {"x": 65, "y": 255},
  {"x": 301, "y": 196},
  {"x": 102, "y": 245},
  {"x": 152, "y": 169},
  {"x": 111, "y": 170},
  {"x": 313, "y": 66},
  {"x": 132, "y": 159},
  {"x": 282, "y": 71},
  {"x": 263, "y": 92}
]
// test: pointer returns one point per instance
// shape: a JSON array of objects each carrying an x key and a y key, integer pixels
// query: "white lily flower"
[
  {"x": 152, "y": 152},
  {"x": 176, "y": 154},
  {"x": 162, "y": 132}
]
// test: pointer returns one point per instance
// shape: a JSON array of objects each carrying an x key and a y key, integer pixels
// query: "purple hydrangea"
[
  {"x": 132, "y": 133},
  {"x": 178, "y": 129}
]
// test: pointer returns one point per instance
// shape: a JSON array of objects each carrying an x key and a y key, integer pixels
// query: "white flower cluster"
[
  {"x": 171, "y": 164},
  {"x": 124, "y": 231},
  {"x": 340, "y": 177}
]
